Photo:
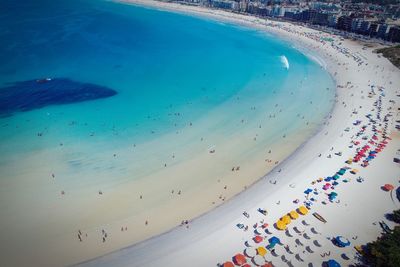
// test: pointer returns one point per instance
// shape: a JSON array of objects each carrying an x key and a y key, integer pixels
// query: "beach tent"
[
  {"x": 250, "y": 252},
  {"x": 261, "y": 251},
  {"x": 342, "y": 171},
  {"x": 280, "y": 225},
  {"x": 302, "y": 210},
  {"x": 294, "y": 215},
  {"x": 286, "y": 219},
  {"x": 258, "y": 239},
  {"x": 258, "y": 260},
  {"x": 342, "y": 241},
  {"x": 239, "y": 259},
  {"x": 335, "y": 177},
  {"x": 228, "y": 264},
  {"x": 388, "y": 187},
  {"x": 332, "y": 263},
  {"x": 274, "y": 240}
]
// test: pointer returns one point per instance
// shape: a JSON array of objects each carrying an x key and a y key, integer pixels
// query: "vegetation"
[
  {"x": 384, "y": 252},
  {"x": 391, "y": 53}
]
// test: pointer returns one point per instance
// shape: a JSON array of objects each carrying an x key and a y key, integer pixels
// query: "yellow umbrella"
[
  {"x": 286, "y": 219},
  {"x": 302, "y": 210},
  {"x": 294, "y": 215},
  {"x": 280, "y": 225},
  {"x": 261, "y": 251}
]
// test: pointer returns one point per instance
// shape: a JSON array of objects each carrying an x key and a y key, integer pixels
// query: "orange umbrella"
[
  {"x": 268, "y": 264},
  {"x": 228, "y": 264},
  {"x": 239, "y": 259}
]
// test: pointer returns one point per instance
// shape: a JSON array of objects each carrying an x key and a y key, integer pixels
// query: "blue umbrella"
[
  {"x": 342, "y": 242},
  {"x": 274, "y": 240},
  {"x": 308, "y": 191},
  {"x": 333, "y": 263}
]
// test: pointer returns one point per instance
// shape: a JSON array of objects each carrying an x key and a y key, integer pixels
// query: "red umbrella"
[
  {"x": 239, "y": 259},
  {"x": 228, "y": 264},
  {"x": 258, "y": 239},
  {"x": 246, "y": 265},
  {"x": 388, "y": 187},
  {"x": 268, "y": 265}
]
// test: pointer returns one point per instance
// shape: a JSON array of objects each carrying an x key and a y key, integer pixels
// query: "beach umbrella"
[
  {"x": 294, "y": 215},
  {"x": 302, "y": 210},
  {"x": 250, "y": 252},
  {"x": 308, "y": 191},
  {"x": 299, "y": 229},
  {"x": 354, "y": 171},
  {"x": 286, "y": 219},
  {"x": 228, "y": 264},
  {"x": 342, "y": 241},
  {"x": 274, "y": 240},
  {"x": 280, "y": 225},
  {"x": 239, "y": 259},
  {"x": 332, "y": 263},
  {"x": 261, "y": 251},
  {"x": 258, "y": 239},
  {"x": 268, "y": 264},
  {"x": 246, "y": 265},
  {"x": 258, "y": 260},
  {"x": 388, "y": 187}
]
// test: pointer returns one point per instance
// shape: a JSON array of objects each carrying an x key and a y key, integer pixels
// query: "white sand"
[{"x": 213, "y": 238}]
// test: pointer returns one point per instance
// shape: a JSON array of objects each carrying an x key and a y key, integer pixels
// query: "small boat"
[
  {"x": 45, "y": 80},
  {"x": 319, "y": 217}
]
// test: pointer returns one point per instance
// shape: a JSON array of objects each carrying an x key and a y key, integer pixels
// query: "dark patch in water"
[{"x": 34, "y": 94}]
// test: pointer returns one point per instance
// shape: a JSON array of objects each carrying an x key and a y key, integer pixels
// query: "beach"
[{"x": 366, "y": 84}]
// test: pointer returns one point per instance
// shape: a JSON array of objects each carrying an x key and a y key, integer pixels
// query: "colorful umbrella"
[
  {"x": 261, "y": 251},
  {"x": 239, "y": 259},
  {"x": 302, "y": 210}
]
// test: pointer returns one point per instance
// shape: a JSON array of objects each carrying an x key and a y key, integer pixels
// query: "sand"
[{"x": 214, "y": 238}]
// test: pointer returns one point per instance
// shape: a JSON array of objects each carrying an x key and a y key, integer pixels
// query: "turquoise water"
[{"x": 170, "y": 72}]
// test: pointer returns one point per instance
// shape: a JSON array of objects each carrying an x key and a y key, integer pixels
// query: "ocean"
[{"x": 195, "y": 98}]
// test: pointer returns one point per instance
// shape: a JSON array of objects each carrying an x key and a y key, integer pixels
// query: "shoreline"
[{"x": 318, "y": 138}]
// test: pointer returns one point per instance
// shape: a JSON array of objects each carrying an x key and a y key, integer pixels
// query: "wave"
[{"x": 285, "y": 62}]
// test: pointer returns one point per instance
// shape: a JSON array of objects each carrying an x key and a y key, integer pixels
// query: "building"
[{"x": 394, "y": 34}]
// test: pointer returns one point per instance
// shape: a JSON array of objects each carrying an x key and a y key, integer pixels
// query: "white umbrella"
[
  {"x": 279, "y": 250},
  {"x": 250, "y": 252},
  {"x": 299, "y": 228},
  {"x": 287, "y": 257},
  {"x": 258, "y": 260}
]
